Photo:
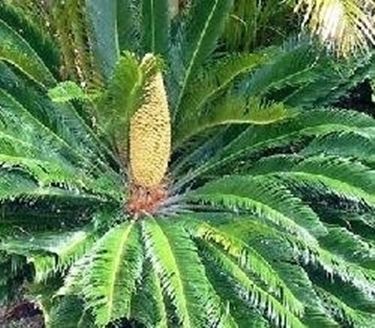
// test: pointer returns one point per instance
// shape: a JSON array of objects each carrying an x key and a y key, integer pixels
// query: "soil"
[{"x": 22, "y": 314}]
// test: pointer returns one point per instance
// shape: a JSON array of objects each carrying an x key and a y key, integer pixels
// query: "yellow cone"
[{"x": 150, "y": 136}]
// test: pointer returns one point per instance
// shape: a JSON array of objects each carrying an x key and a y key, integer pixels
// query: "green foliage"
[
  {"x": 252, "y": 24},
  {"x": 269, "y": 220},
  {"x": 101, "y": 17},
  {"x": 156, "y": 24},
  {"x": 67, "y": 91},
  {"x": 15, "y": 50}
]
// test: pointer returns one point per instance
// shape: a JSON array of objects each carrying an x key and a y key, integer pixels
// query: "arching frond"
[
  {"x": 250, "y": 292},
  {"x": 248, "y": 258},
  {"x": 16, "y": 51},
  {"x": 148, "y": 305},
  {"x": 70, "y": 313},
  {"x": 101, "y": 22},
  {"x": 271, "y": 201},
  {"x": 108, "y": 273},
  {"x": 216, "y": 78},
  {"x": 229, "y": 110},
  {"x": 50, "y": 252},
  {"x": 344, "y": 313},
  {"x": 182, "y": 275},
  {"x": 197, "y": 40},
  {"x": 31, "y": 31}
]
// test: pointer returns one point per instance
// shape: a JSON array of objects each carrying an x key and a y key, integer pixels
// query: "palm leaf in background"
[
  {"x": 260, "y": 209},
  {"x": 345, "y": 25}
]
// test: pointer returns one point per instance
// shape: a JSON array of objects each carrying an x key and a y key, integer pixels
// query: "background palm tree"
[
  {"x": 345, "y": 26},
  {"x": 254, "y": 207}
]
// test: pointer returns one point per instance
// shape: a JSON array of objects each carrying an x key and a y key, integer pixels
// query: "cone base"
[{"x": 145, "y": 200}]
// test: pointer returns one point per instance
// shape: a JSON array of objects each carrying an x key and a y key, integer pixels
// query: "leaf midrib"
[
  {"x": 195, "y": 54},
  {"x": 116, "y": 268}
]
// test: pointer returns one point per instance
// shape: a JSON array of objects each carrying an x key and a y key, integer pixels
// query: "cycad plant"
[{"x": 179, "y": 186}]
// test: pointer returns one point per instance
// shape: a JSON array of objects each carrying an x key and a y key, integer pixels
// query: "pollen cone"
[{"x": 150, "y": 136}]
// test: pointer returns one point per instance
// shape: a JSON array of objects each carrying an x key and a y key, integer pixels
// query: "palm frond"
[
  {"x": 70, "y": 313},
  {"x": 16, "y": 51},
  {"x": 107, "y": 269},
  {"x": 248, "y": 258},
  {"x": 129, "y": 25},
  {"x": 272, "y": 202},
  {"x": 103, "y": 37},
  {"x": 49, "y": 252},
  {"x": 250, "y": 292},
  {"x": 196, "y": 41},
  {"x": 346, "y": 26},
  {"x": 251, "y": 142},
  {"x": 156, "y": 20},
  {"x": 216, "y": 78},
  {"x": 148, "y": 304},
  {"x": 170, "y": 250},
  {"x": 343, "y": 313},
  {"x": 232, "y": 109},
  {"x": 41, "y": 42}
]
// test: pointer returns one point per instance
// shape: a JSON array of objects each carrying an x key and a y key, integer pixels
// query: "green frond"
[
  {"x": 301, "y": 75},
  {"x": 292, "y": 65},
  {"x": 16, "y": 51},
  {"x": 254, "y": 140},
  {"x": 15, "y": 184},
  {"x": 68, "y": 140},
  {"x": 248, "y": 258},
  {"x": 244, "y": 314},
  {"x": 122, "y": 97},
  {"x": 349, "y": 246},
  {"x": 217, "y": 77},
  {"x": 329, "y": 81},
  {"x": 156, "y": 25},
  {"x": 328, "y": 260},
  {"x": 69, "y": 313},
  {"x": 36, "y": 37},
  {"x": 353, "y": 143},
  {"x": 175, "y": 259},
  {"x": 103, "y": 36},
  {"x": 49, "y": 252},
  {"x": 343, "y": 170},
  {"x": 278, "y": 250},
  {"x": 35, "y": 11},
  {"x": 229, "y": 110},
  {"x": 343, "y": 313},
  {"x": 252, "y": 25},
  {"x": 108, "y": 274},
  {"x": 148, "y": 304},
  {"x": 197, "y": 40},
  {"x": 250, "y": 292},
  {"x": 270, "y": 201}
]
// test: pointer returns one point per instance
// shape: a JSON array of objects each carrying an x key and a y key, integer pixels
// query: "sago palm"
[{"x": 179, "y": 186}]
